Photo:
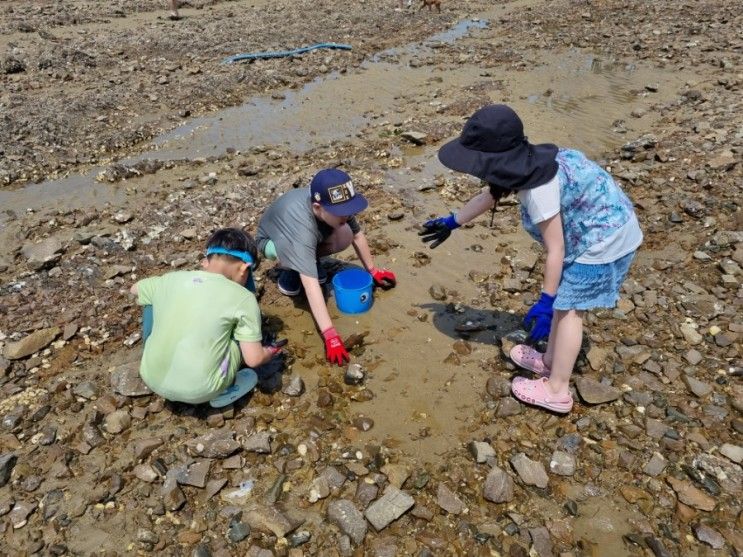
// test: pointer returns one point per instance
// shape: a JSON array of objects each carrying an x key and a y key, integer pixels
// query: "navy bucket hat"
[
  {"x": 493, "y": 147},
  {"x": 333, "y": 189}
]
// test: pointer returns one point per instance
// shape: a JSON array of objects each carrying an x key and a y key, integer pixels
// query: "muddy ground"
[{"x": 125, "y": 142}]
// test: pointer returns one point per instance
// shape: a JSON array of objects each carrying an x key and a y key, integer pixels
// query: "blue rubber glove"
[
  {"x": 438, "y": 230},
  {"x": 539, "y": 318}
]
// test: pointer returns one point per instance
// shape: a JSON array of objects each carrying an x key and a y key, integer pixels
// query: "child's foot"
[
  {"x": 536, "y": 392},
  {"x": 245, "y": 381},
  {"x": 528, "y": 358}
]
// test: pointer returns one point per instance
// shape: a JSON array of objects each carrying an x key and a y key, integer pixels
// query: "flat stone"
[
  {"x": 172, "y": 496},
  {"x": 733, "y": 452},
  {"x": 389, "y": 507},
  {"x": 530, "y": 471},
  {"x": 508, "y": 406},
  {"x": 86, "y": 389},
  {"x": 145, "y": 472},
  {"x": 366, "y": 492},
  {"x": 541, "y": 542},
  {"x": 143, "y": 448},
  {"x": 498, "y": 486},
  {"x": 269, "y": 519},
  {"x": 562, "y": 463},
  {"x": 596, "y": 357},
  {"x": 448, "y": 500},
  {"x": 481, "y": 451},
  {"x": 690, "y": 495},
  {"x": 42, "y": 255},
  {"x": 708, "y": 535},
  {"x": 594, "y": 392},
  {"x": 218, "y": 443},
  {"x": 238, "y": 531},
  {"x": 31, "y": 344},
  {"x": 348, "y": 519},
  {"x": 258, "y": 442},
  {"x": 354, "y": 374},
  {"x": 197, "y": 474},
  {"x": 396, "y": 473},
  {"x": 697, "y": 387},
  {"x": 418, "y": 138},
  {"x": 20, "y": 513},
  {"x": 125, "y": 380},
  {"x": 655, "y": 465}
]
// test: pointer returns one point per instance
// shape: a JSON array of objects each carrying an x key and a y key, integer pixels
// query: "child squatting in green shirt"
[{"x": 206, "y": 325}]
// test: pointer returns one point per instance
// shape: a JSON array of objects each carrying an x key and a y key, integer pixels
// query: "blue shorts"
[{"x": 585, "y": 287}]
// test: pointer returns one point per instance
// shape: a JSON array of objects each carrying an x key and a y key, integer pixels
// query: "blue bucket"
[{"x": 353, "y": 291}]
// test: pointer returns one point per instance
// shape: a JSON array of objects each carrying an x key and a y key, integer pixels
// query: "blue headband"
[{"x": 241, "y": 255}]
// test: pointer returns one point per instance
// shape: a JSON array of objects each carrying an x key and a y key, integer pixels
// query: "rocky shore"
[{"x": 327, "y": 461}]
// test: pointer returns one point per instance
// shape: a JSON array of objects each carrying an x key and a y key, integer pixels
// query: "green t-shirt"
[{"x": 191, "y": 355}]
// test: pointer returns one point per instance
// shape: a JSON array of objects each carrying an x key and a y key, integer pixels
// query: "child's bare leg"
[
  {"x": 549, "y": 355},
  {"x": 565, "y": 339}
]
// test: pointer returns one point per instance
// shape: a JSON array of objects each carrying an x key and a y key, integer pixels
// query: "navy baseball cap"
[{"x": 334, "y": 191}]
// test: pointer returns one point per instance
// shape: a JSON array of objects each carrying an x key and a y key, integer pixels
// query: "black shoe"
[{"x": 289, "y": 283}]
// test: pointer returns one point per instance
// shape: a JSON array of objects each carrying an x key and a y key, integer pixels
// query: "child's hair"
[{"x": 234, "y": 239}]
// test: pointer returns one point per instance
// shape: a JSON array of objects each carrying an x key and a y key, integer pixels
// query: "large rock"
[
  {"x": 126, "y": 381},
  {"x": 31, "y": 344},
  {"x": 42, "y": 255},
  {"x": 388, "y": 508},
  {"x": 348, "y": 518},
  {"x": 530, "y": 471},
  {"x": 498, "y": 486},
  {"x": 594, "y": 392}
]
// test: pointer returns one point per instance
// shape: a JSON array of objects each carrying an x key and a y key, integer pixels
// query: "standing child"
[
  {"x": 201, "y": 327},
  {"x": 305, "y": 224},
  {"x": 575, "y": 209}
]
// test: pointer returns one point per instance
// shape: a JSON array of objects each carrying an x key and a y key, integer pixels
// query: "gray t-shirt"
[{"x": 295, "y": 231}]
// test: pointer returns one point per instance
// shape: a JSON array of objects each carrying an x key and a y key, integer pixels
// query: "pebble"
[
  {"x": 690, "y": 495},
  {"x": 481, "y": 451},
  {"x": 389, "y": 507},
  {"x": 562, "y": 463},
  {"x": 733, "y": 452},
  {"x": 354, "y": 374},
  {"x": 655, "y": 465},
  {"x": 258, "y": 442},
  {"x": 295, "y": 387},
  {"x": 594, "y": 392},
  {"x": 448, "y": 500},
  {"x": 30, "y": 344},
  {"x": 708, "y": 535},
  {"x": 530, "y": 471},
  {"x": 7, "y": 463},
  {"x": 498, "y": 487},
  {"x": 238, "y": 531}
]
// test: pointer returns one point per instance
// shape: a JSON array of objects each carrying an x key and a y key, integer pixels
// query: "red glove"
[
  {"x": 383, "y": 277},
  {"x": 334, "y": 349}
]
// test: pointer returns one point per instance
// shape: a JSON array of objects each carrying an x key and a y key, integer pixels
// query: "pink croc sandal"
[
  {"x": 528, "y": 358},
  {"x": 536, "y": 392}
]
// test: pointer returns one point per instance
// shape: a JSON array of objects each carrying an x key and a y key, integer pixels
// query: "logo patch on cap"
[
  {"x": 341, "y": 193},
  {"x": 317, "y": 196}
]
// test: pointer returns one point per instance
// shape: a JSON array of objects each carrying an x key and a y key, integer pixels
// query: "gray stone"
[
  {"x": 145, "y": 472},
  {"x": 448, "y": 500},
  {"x": 31, "y": 344},
  {"x": 691, "y": 334},
  {"x": 481, "y": 451},
  {"x": 508, "y": 406},
  {"x": 594, "y": 392},
  {"x": 143, "y": 448},
  {"x": 42, "y": 255},
  {"x": 295, "y": 386},
  {"x": 562, "y": 463},
  {"x": 354, "y": 374},
  {"x": 655, "y": 465},
  {"x": 697, "y": 387},
  {"x": 708, "y": 535},
  {"x": 219, "y": 443},
  {"x": 238, "y": 531},
  {"x": 7, "y": 463},
  {"x": 126, "y": 381},
  {"x": 20, "y": 513},
  {"x": 348, "y": 519},
  {"x": 197, "y": 474},
  {"x": 418, "y": 138},
  {"x": 269, "y": 519},
  {"x": 530, "y": 471},
  {"x": 541, "y": 542},
  {"x": 86, "y": 389},
  {"x": 733, "y": 452},
  {"x": 172, "y": 496},
  {"x": 366, "y": 492},
  {"x": 498, "y": 486},
  {"x": 334, "y": 478},
  {"x": 389, "y": 507},
  {"x": 258, "y": 442}
]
